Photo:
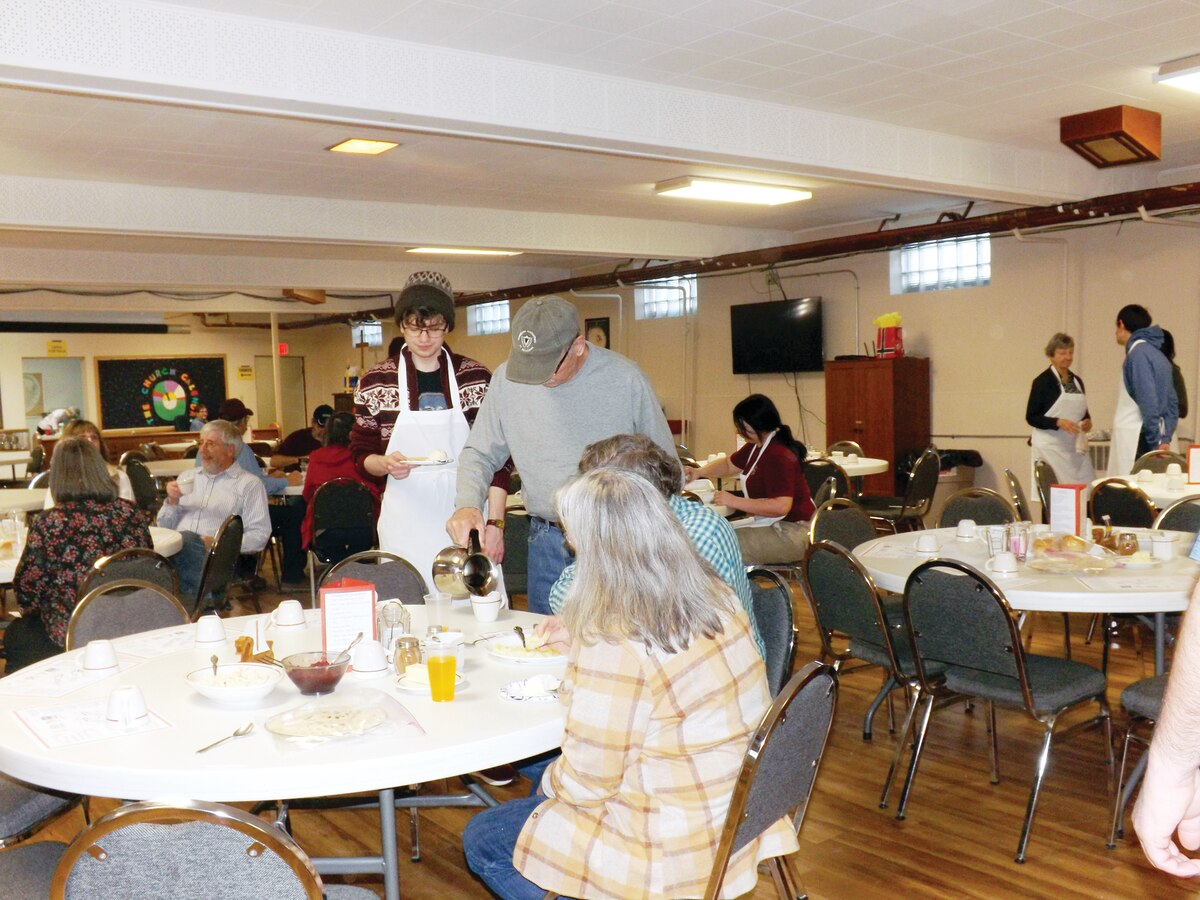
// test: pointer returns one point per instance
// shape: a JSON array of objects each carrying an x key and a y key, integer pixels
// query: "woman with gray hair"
[
  {"x": 1058, "y": 414},
  {"x": 88, "y": 521},
  {"x": 663, "y": 689}
]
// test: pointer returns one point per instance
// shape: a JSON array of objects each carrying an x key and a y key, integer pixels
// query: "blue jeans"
[
  {"x": 488, "y": 842},
  {"x": 548, "y": 557},
  {"x": 189, "y": 562}
]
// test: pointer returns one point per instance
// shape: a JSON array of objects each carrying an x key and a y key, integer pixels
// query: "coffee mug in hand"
[
  {"x": 1003, "y": 563},
  {"x": 99, "y": 655},
  {"x": 186, "y": 481},
  {"x": 126, "y": 705}
]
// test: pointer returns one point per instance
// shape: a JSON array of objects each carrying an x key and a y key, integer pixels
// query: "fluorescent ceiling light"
[
  {"x": 363, "y": 145},
  {"x": 1181, "y": 73},
  {"x": 730, "y": 191},
  {"x": 464, "y": 251}
]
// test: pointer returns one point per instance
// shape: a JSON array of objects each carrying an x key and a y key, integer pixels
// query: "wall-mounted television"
[{"x": 779, "y": 336}]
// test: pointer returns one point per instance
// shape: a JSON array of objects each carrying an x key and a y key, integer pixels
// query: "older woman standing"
[
  {"x": 1057, "y": 411},
  {"x": 663, "y": 688},
  {"x": 88, "y": 521}
]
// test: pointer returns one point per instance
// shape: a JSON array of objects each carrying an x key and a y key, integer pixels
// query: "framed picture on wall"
[{"x": 596, "y": 331}]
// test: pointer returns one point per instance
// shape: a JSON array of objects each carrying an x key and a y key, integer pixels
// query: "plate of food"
[
  {"x": 534, "y": 652},
  {"x": 1139, "y": 560},
  {"x": 432, "y": 458},
  {"x": 1065, "y": 562},
  {"x": 326, "y": 721}
]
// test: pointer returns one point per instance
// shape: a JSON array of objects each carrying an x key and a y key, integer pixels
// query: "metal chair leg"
[
  {"x": 918, "y": 746},
  {"x": 1118, "y": 812},
  {"x": 889, "y": 683},
  {"x": 414, "y": 831},
  {"x": 1039, "y": 774},
  {"x": 901, "y": 740},
  {"x": 1067, "y": 634},
  {"x": 995, "y": 748}
]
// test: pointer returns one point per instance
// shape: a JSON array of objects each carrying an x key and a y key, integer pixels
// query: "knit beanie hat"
[{"x": 427, "y": 290}]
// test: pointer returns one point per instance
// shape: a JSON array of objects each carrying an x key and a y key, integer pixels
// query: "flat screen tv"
[{"x": 779, "y": 336}]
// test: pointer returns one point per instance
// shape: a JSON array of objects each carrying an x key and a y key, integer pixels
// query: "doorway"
[
  {"x": 51, "y": 383},
  {"x": 295, "y": 404}
]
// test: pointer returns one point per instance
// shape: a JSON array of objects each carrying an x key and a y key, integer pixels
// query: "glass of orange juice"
[{"x": 442, "y": 660}]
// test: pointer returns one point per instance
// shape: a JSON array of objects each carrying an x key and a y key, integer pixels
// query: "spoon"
[
  {"x": 244, "y": 730},
  {"x": 521, "y": 634},
  {"x": 213, "y": 660},
  {"x": 346, "y": 652}
]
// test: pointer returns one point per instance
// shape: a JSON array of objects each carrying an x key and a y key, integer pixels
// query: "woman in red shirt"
[
  {"x": 329, "y": 462},
  {"x": 771, "y": 466}
]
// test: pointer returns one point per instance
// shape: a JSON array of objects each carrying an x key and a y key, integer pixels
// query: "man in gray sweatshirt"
[{"x": 554, "y": 396}]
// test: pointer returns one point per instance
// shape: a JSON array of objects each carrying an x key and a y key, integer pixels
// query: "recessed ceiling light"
[
  {"x": 364, "y": 146},
  {"x": 464, "y": 251},
  {"x": 1181, "y": 73},
  {"x": 730, "y": 191}
]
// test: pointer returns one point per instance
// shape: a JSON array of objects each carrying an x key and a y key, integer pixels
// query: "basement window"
[
  {"x": 942, "y": 265},
  {"x": 487, "y": 318},
  {"x": 665, "y": 299}
]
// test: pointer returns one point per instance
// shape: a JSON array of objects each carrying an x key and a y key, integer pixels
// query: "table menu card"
[
  {"x": 1066, "y": 509},
  {"x": 347, "y": 607}
]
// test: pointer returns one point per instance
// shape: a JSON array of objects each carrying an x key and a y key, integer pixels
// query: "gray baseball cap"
[{"x": 542, "y": 330}]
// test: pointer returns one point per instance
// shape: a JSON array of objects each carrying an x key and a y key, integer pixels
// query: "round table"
[
  {"x": 1156, "y": 488},
  {"x": 477, "y": 730},
  {"x": 167, "y": 542},
  {"x": 864, "y": 465},
  {"x": 169, "y": 468},
  {"x": 14, "y": 458},
  {"x": 22, "y": 499},
  {"x": 1157, "y": 590}
]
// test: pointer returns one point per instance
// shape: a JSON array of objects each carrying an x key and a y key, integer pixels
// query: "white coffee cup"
[
  {"x": 1162, "y": 544},
  {"x": 369, "y": 656},
  {"x": 126, "y": 705},
  {"x": 838, "y": 454},
  {"x": 1145, "y": 475},
  {"x": 852, "y": 458},
  {"x": 1174, "y": 469},
  {"x": 210, "y": 630},
  {"x": 99, "y": 655},
  {"x": 926, "y": 543},
  {"x": 966, "y": 530},
  {"x": 1003, "y": 563},
  {"x": 288, "y": 614},
  {"x": 487, "y": 609},
  {"x": 186, "y": 480},
  {"x": 1176, "y": 482}
]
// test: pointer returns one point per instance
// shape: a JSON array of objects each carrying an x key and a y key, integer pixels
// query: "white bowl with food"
[{"x": 235, "y": 684}]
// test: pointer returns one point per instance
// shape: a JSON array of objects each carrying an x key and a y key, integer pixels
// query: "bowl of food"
[
  {"x": 316, "y": 672},
  {"x": 235, "y": 684}
]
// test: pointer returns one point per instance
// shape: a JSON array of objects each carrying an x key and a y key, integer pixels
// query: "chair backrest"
[
  {"x": 393, "y": 576},
  {"x": 844, "y": 601},
  {"x": 826, "y": 492},
  {"x": 153, "y": 450},
  {"x": 983, "y": 505},
  {"x": 122, "y": 607},
  {"x": 145, "y": 491},
  {"x": 40, "y": 480},
  {"x": 260, "y": 448},
  {"x": 686, "y": 457},
  {"x": 187, "y": 851},
  {"x": 841, "y": 520},
  {"x": 219, "y": 565},
  {"x": 780, "y": 766},
  {"x": 1044, "y": 476},
  {"x": 131, "y": 454},
  {"x": 343, "y": 519},
  {"x": 1019, "y": 501},
  {"x": 141, "y": 563},
  {"x": 772, "y": 601},
  {"x": 191, "y": 452},
  {"x": 922, "y": 482},
  {"x": 1125, "y": 504},
  {"x": 816, "y": 471},
  {"x": 846, "y": 447},
  {"x": 1182, "y": 515},
  {"x": 956, "y": 616},
  {"x": 37, "y": 457},
  {"x": 516, "y": 553},
  {"x": 1158, "y": 460},
  {"x": 25, "y": 810}
]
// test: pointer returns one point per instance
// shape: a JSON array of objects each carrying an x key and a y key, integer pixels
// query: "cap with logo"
[
  {"x": 542, "y": 330},
  {"x": 322, "y": 413},
  {"x": 234, "y": 410}
]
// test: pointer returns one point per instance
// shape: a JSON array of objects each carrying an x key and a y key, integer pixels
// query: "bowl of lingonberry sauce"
[{"x": 315, "y": 672}]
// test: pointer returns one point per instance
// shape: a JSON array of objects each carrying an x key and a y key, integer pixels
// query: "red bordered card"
[
  {"x": 1067, "y": 509},
  {"x": 347, "y": 607}
]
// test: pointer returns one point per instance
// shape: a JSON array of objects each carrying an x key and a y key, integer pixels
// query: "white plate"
[
  {"x": 428, "y": 462},
  {"x": 1126, "y": 563},
  {"x": 422, "y": 687},
  {"x": 496, "y": 648}
]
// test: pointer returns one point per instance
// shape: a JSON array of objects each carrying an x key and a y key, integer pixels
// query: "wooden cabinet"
[
  {"x": 343, "y": 401},
  {"x": 883, "y": 404}
]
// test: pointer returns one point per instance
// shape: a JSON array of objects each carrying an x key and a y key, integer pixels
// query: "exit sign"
[{"x": 283, "y": 348}]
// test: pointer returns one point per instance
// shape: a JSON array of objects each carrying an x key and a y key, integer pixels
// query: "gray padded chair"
[
  {"x": 220, "y": 567},
  {"x": 190, "y": 851},
  {"x": 1125, "y": 504},
  {"x": 818, "y": 471},
  {"x": 778, "y": 773},
  {"x": 40, "y": 480},
  {"x": 1143, "y": 702},
  {"x": 343, "y": 523},
  {"x": 1044, "y": 476},
  {"x": 122, "y": 607},
  {"x": 772, "y": 601},
  {"x": 983, "y": 505},
  {"x": 846, "y": 447},
  {"x": 1157, "y": 461},
  {"x": 1019, "y": 501},
  {"x": 24, "y": 810},
  {"x": 145, "y": 491},
  {"x": 136, "y": 562},
  {"x": 1182, "y": 515},
  {"x": 516, "y": 553},
  {"x": 826, "y": 492},
  {"x": 842, "y": 521},
  {"x": 394, "y": 577},
  {"x": 907, "y": 513},
  {"x": 958, "y": 618}
]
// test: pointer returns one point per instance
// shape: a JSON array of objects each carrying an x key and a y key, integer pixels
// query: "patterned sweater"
[{"x": 377, "y": 403}]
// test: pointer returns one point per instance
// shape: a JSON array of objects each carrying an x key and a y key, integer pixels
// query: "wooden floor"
[{"x": 958, "y": 840}]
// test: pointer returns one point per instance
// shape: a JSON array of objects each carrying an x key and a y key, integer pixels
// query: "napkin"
[{"x": 539, "y": 688}]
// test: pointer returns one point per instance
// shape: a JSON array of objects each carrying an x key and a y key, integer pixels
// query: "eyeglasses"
[{"x": 427, "y": 330}]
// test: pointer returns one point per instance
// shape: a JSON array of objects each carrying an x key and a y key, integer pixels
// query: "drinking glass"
[{"x": 442, "y": 660}]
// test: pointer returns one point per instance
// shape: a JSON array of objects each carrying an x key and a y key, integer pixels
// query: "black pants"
[
  {"x": 26, "y": 642},
  {"x": 286, "y": 519},
  {"x": 1143, "y": 447}
]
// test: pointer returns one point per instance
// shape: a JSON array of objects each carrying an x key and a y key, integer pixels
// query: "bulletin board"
[{"x": 152, "y": 391}]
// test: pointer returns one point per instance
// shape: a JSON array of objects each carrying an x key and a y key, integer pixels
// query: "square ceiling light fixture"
[
  {"x": 364, "y": 146},
  {"x": 1181, "y": 73},
  {"x": 1116, "y": 136},
  {"x": 730, "y": 191},
  {"x": 464, "y": 251}
]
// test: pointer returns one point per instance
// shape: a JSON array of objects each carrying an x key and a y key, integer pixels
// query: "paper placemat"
[
  {"x": 59, "y": 676},
  {"x": 1138, "y": 584},
  {"x": 81, "y": 723},
  {"x": 148, "y": 646}
]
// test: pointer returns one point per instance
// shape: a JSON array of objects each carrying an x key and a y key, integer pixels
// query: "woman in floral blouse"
[{"x": 88, "y": 521}]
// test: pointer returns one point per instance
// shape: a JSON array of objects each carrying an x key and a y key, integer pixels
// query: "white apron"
[
  {"x": 1127, "y": 427},
  {"x": 1059, "y": 448},
  {"x": 414, "y": 510},
  {"x": 752, "y": 462}
]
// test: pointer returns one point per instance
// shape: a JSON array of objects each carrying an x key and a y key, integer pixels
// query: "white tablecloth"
[
  {"x": 169, "y": 468},
  {"x": 1156, "y": 489},
  {"x": 23, "y": 499}
]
